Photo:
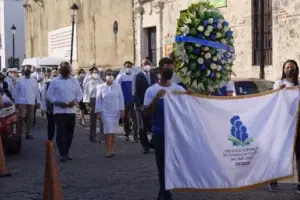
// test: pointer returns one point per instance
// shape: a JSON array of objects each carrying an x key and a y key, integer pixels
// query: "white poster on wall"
[{"x": 59, "y": 43}]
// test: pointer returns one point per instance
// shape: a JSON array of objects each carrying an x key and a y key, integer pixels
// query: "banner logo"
[{"x": 239, "y": 134}]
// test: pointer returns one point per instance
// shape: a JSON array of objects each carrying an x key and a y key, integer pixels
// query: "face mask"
[
  {"x": 158, "y": 76},
  {"x": 82, "y": 75},
  {"x": 27, "y": 72},
  {"x": 167, "y": 74},
  {"x": 128, "y": 70},
  {"x": 147, "y": 68},
  {"x": 95, "y": 76},
  {"x": 290, "y": 73},
  {"x": 109, "y": 78}
]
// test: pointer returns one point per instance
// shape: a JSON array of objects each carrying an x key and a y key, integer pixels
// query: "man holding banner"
[{"x": 154, "y": 107}]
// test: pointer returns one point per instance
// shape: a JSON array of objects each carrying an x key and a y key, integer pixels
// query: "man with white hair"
[{"x": 64, "y": 92}]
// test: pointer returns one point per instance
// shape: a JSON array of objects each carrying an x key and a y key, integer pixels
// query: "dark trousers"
[
  {"x": 65, "y": 124},
  {"x": 144, "y": 130},
  {"x": 50, "y": 126},
  {"x": 130, "y": 115},
  {"x": 159, "y": 145}
]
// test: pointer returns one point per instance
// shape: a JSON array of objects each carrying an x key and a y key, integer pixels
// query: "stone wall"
[
  {"x": 286, "y": 31},
  {"x": 95, "y": 38}
]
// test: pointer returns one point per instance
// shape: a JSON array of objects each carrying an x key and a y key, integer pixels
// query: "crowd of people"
[{"x": 136, "y": 98}]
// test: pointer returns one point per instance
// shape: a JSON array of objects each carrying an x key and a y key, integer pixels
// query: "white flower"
[
  {"x": 206, "y": 33},
  {"x": 210, "y": 20},
  {"x": 232, "y": 40},
  {"x": 185, "y": 29},
  {"x": 189, "y": 73},
  {"x": 223, "y": 41},
  {"x": 220, "y": 26},
  {"x": 226, "y": 28},
  {"x": 187, "y": 20},
  {"x": 227, "y": 67},
  {"x": 221, "y": 21},
  {"x": 184, "y": 70},
  {"x": 219, "y": 68},
  {"x": 215, "y": 58},
  {"x": 193, "y": 15},
  {"x": 206, "y": 49},
  {"x": 194, "y": 85},
  {"x": 198, "y": 45},
  {"x": 229, "y": 60},
  {"x": 210, "y": 88},
  {"x": 200, "y": 28},
  {"x": 218, "y": 35},
  {"x": 200, "y": 60},
  {"x": 210, "y": 28},
  {"x": 207, "y": 55},
  {"x": 200, "y": 86},
  {"x": 208, "y": 72},
  {"x": 218, "y": 75},
  {"x": 213, "y": 66},
  {"x": 223, "y": 62},
  {"x": 188, "y": 80}
]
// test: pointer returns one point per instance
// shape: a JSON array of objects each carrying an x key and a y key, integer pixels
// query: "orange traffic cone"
[
  {"x": 3, "y": 169},
  {"x": 52, "y": 185}
]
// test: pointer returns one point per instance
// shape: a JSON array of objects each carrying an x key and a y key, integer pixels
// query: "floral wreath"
[{"x": 203, "y": 48}]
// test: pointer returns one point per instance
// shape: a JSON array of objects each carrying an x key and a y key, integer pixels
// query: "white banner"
[{"x": 219, "y": 143}]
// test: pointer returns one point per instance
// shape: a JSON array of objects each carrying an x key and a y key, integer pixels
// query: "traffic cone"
[
  {"x": 52, "y": 185},
  {"x": 3, "y": 169}
]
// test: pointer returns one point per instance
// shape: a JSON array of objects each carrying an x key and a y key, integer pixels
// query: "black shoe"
[
  {"x": 298, "y": 188},
  {"x": 29, "y": 137},
  {"x": 136, "y": 138},
  {"x": 273, "y": 187},
  {"x": 63, "y": 159},
  {"x": 68, "y": 158},
  {"x": 146, "y": 150},
  {"x": 127, "y": 138}
]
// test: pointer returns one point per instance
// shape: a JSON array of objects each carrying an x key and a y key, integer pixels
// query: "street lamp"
[
  {"x": 74, "y": 9},
  {"x": 13, "y": 30}
]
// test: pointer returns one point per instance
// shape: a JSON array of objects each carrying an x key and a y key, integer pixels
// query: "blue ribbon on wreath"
[{"x": 207, "y": 43}]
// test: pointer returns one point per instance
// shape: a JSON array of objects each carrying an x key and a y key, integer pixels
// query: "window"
[
  {"x": 152, "y": 45},
  {"x": 268, "y": 50}
]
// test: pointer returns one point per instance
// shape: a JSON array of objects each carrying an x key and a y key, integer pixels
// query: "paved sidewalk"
[{"x": 91, "y": 176}]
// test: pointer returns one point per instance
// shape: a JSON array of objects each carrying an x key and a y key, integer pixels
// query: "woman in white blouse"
[
  {"x": 289, "y": 78},
  {"x": 89, "y": 96},
  {"x": 109, "y": 108}
]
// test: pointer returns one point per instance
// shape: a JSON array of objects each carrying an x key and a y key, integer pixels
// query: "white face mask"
[
  {"x": 109, "y": 78},
  {"x": 95, "y": 76},
  {"x": 147, "y": 68},
  {"x": 128, "y": 70},
  {"x": 158, "y": 76},
  {"x": 82, "y": 75}
]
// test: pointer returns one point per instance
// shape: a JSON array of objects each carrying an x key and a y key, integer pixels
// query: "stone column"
[
  {"x": 138, "y": 31},
  {"x": 159, "y": 7}
]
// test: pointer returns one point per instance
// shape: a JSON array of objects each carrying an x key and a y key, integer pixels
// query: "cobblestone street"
[{"x": 129, "y": 176}]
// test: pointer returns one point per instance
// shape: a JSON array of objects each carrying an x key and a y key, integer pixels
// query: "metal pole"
[
  {"x": 13, "y": 56},
  {"x": 72, "y": 39},
  {"x": 262, "y": 39}
]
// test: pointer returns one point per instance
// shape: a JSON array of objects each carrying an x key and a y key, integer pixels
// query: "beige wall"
[
  {"x": 96, "y": 41},
  {"x": 286, "y": 31}
]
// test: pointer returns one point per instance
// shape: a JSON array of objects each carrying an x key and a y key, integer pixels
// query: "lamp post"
[
  {"x": 13, "y": 30},
  {"x": 74, "y": 9}
]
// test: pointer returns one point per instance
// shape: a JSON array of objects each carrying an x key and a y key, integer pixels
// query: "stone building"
[
  {"x": 155, "y": 25},
  {"x": 103, "y": 31}
]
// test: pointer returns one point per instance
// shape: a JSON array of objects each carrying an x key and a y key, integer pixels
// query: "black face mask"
[
  {"x": 291, "y": 73},
  {"x": 27, "y": 72},
  {"x": 167, "y": 74}
]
